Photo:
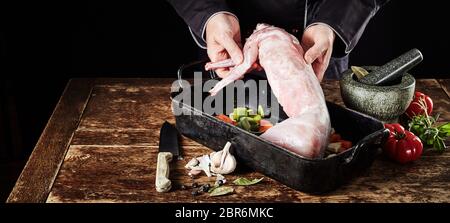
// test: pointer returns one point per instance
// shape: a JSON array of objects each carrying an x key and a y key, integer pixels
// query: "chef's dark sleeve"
[
  {"x": 196, "y": 13},
  {"x": 348, "y": 19}
]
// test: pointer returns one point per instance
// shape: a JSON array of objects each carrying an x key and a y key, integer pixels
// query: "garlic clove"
[
  {"x": 205, "y": 163},
  {"x": 196, "y": 168},
  {"x": 216, "y": 158},
  {"x": 195, "y": 172},
  {"x": 193, "y": 162},
  {"x": 226, "y": 152}
]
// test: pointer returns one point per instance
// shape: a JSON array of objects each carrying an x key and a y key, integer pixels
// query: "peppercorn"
[
  {"x": 205, "y": 187},
  {"x": 194, "y": 185},
  {"x": 195, "y": 192},
  {"x": 183, "y": 187}
]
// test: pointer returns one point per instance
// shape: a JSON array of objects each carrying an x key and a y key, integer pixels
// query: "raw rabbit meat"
[{"x": 293, "y": 82}]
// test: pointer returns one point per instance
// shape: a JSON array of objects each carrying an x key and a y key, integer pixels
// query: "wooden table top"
[{"x": 101, "y": 143}]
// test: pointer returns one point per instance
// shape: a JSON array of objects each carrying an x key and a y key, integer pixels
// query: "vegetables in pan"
[
  {"x": 226, "y": 119},
  {"x": 402, "y": 145},
  {"x": 247, "y": 119},
  {"x": 337, "y": 144}
]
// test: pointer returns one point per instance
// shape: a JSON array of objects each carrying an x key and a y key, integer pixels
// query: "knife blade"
[{"x": 168, "y": 148}]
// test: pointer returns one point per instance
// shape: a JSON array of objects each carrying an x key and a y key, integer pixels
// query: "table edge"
[{"x": 37, "y": 177}]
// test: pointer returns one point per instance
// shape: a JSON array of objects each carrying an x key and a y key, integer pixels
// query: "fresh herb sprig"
[{"x": 424, "y": 127}]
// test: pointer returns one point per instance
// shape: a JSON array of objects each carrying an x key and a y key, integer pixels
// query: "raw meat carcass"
[{"x": 295, "y": 85}]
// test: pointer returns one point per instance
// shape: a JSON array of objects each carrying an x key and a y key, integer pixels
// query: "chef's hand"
[
  {"x": 223, "y": 40},
  {"x": 317, "y": 42}
]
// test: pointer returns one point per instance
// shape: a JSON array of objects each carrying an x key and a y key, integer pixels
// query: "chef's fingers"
[
  {"x": 232, "y": 48},
  {"x": 318, "y": 70},
  {"x": 317, "y": 50},
  {"x": 217, "y": 53},
  {"x": 219, "y": 64},
  {"x": 321, "y": 64}
]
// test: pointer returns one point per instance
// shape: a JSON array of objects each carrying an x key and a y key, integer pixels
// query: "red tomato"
[
  {"x": 418, "y": 105},
  {"x": 402, "y": 145}
]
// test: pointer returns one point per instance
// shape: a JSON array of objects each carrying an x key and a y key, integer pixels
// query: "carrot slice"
[
  {"x": 226, "y": 119},
  {"x": 264, "y": 125},
  {"x": 264, "y": 122},
  {"x": 264, "y": 128}
]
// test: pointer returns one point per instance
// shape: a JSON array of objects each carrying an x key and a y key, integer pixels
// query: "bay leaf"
[
  {"x": 222, "y": 190},
  {"x": 359, "y": 71},
  {"x": 213, "y": 188},
  {"x": 242, "y": 181}
]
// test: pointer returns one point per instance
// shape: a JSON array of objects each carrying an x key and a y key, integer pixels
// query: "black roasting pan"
[{"x": 300, "y": 173}]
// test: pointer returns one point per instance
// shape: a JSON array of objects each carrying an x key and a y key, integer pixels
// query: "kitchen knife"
[{"x": 168, "y": 148}]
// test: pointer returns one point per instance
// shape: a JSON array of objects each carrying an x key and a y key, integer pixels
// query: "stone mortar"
[{"x": 385, "y": 103}]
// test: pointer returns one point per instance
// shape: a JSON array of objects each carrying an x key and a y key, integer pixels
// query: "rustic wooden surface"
[
  {"x": 112, "y": 156},
  {"x": 36, "y": 179}
]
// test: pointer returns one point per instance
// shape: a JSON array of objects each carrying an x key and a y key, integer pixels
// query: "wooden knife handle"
[{"x": 162, "y": 181}]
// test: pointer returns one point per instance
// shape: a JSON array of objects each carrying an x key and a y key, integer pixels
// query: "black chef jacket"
[{"x": 348, "y": 19}]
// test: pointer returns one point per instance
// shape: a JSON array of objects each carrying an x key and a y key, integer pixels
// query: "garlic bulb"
[{"x": 223, "y": 162}]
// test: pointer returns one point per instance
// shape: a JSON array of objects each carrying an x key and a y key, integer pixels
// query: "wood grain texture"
[
  {"x": 445, "y": 85},
  {"x": 36, "y": 179},
  {"x": 441, "y": 101},
  {"x": 126, "y": 174},
  {"x": 112, "y": 156}
]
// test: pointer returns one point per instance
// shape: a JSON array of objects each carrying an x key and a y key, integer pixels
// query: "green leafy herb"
[
  {"x": 242, "y": 181},
  {"x": 220, "y": 190},
  {"x": 430, "y": 135}
]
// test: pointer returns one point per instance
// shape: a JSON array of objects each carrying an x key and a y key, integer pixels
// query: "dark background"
[{"x": 43, "y": 45}]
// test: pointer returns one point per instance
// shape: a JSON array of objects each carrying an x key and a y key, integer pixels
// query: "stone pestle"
[{"x": 394, "y": 69}]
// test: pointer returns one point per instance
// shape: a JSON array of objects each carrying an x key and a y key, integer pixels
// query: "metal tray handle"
[
  {"x": 380, "y": 135},
  {"x": 183, "y": 67}
]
